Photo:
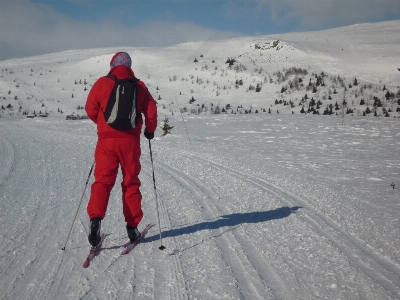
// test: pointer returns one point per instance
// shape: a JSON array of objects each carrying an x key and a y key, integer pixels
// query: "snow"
[
  {"x": 252, "y": 206},
  {"x": 55, "y": 83}
]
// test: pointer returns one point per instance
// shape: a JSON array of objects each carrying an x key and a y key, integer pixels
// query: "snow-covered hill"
[
  {"x": 252, "y": 206},
  {"x": 196, "y": 78}
]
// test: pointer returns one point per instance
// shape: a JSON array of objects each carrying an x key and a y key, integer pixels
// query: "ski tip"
[{"x": 86, "y": 263}]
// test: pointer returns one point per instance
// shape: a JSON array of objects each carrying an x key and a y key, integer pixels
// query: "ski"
[
  {"x": 93, "y": 252},
  {"x": 131, "y": 246}
]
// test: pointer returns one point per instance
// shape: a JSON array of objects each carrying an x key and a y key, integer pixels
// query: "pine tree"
[{"x": 166, "y": 127}]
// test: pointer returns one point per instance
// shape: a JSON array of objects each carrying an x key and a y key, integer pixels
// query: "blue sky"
[
  {"x": 32, "y": 27},
  {"x": 218, "y": 14}
]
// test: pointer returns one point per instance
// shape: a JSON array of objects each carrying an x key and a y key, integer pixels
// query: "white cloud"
[
  {"x": 29, "y": 29},
  {"x": 315, "y": 14}
]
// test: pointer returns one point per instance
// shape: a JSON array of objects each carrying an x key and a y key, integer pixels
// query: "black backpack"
[{"x": 121, "y": 110}]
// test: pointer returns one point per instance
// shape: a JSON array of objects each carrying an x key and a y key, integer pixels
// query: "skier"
[{"x": 118, "y": 147}]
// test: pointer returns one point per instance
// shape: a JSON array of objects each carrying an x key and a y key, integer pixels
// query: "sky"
[{"x": 35, "y": 27}]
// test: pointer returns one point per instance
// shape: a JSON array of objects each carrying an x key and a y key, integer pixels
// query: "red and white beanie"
[{"x": 121, "y": 59}]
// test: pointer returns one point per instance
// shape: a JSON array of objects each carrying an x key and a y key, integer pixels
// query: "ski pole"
[
  {"x": 184, "y": 123},
  {"x": 80, "y": 202},
  {"x": 155, "y": 195}
]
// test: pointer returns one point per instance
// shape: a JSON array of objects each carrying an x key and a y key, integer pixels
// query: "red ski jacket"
[{"x": 97, "y": 101}]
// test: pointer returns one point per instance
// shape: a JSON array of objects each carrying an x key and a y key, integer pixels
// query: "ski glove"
[{"x": 149, "y": 135}]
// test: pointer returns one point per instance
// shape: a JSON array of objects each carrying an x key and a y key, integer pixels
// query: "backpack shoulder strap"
[
  {"x": 112, "y": 77},
  {"x": 132, "y": 79}
]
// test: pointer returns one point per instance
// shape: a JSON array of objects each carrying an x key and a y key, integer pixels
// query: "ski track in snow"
[
  {"x": 7, "y": 157},
  {"x": 235, "y": 258},
  {"x": 230, "y": 231},
  {"x": 381, "y": 271}
]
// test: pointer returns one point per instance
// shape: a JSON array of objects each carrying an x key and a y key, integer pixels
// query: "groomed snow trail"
[{"x": 254, "y": 207}]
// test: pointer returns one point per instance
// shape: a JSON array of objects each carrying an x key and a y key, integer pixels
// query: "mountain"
[
  {"x": 249, "y": 206},
  {"x": 242, "y": 75}
]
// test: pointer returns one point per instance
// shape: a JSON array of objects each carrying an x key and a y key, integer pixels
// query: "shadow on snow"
[{"x": 231, "y": 220}]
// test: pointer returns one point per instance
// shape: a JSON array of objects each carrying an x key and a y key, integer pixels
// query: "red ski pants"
[{"x": 109, "y": 154}]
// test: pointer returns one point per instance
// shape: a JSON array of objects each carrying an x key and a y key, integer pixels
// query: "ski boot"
[
  {"x": 94, "y": 235},
  {"x": 133, "y": 233}
]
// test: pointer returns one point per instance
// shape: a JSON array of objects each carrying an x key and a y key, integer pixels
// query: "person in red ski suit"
[{"x": 118, "y": 148}]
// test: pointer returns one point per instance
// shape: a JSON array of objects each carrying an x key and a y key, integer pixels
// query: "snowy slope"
[
  {"x": 367, "y": 51},
  {"x": 59, "y": 83},
  {"x": 254, "y": 207}
]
